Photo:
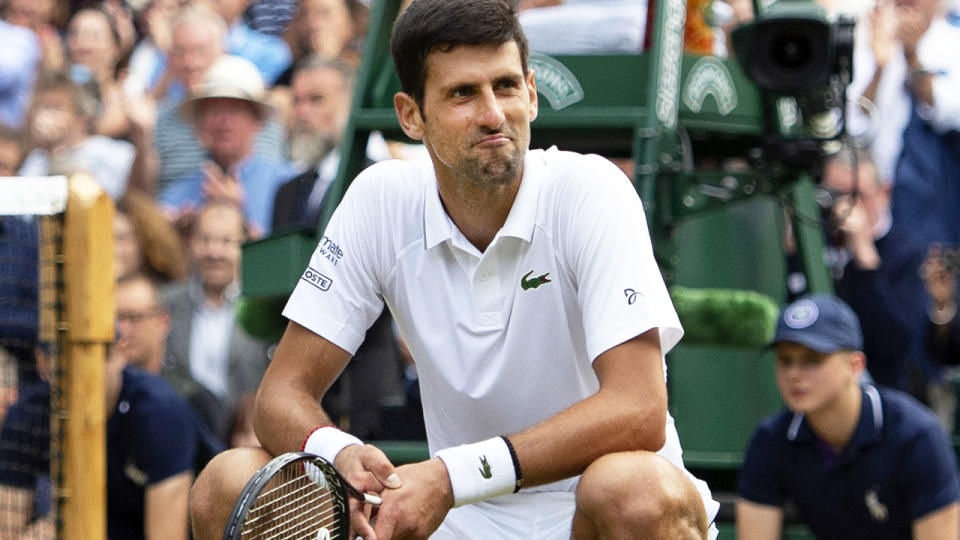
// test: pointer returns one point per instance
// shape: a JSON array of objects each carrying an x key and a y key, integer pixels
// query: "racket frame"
[{"x": 339, "y": 488}]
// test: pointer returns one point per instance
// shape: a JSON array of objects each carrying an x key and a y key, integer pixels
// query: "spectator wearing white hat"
[
  {"x": 197, "y": 40},
  {"x": 228, "y": 108}
]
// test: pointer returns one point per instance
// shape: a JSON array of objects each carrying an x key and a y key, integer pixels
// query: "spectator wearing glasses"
[
  {"x": 873, "y": 267},
  {"x": 143, "y": 326}
]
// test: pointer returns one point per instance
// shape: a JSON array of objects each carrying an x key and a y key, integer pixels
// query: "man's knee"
[
  {"x": 640, "y": 494},
  {"x": 217, "y": 488}
]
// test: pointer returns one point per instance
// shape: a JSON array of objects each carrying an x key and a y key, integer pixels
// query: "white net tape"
[{"x": 33, "y": 195}]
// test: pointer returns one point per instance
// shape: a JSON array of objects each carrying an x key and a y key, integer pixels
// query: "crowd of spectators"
[
  {"x": 214, "y": 122},
  {"x": 191, "y": 115}
]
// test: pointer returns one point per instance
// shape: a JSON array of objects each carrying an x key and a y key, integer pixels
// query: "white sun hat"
[{"x": 231, "y": 77}]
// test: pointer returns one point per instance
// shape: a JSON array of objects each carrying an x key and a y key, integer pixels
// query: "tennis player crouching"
[{"x": 524, "y": 284}]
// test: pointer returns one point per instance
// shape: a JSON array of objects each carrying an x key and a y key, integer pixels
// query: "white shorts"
[{"x": 545, "y": 515}]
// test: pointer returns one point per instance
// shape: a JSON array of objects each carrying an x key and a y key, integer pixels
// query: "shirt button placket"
[{"x": 486, "y": 297}]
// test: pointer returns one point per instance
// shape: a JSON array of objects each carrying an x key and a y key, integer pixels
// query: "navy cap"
[{"x": 820, "y": 322}]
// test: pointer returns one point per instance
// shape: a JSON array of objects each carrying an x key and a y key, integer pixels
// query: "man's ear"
[
  {"x": 858, "y": 361},
  {"x": 408, "y": 113},
  {"x": 532, "y": 89}
]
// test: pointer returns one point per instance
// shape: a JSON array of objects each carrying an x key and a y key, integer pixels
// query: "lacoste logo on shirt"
[
  {"x": 527, "y": 283},
  {"x": 485, "y": 468},
  {"x": 315, "y": 278}
]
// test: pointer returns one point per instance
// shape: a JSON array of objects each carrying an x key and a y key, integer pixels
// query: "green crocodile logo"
[
  {"x": 485, "y": 468},
  {"x": 527, "y": 283}
]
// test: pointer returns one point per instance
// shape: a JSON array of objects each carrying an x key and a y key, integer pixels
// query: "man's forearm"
[
  {"x": 627, "y": 413},
  {"x": 564, "y": 445},
  {"x": 287, "y": 407},
  {"x": 284, "y": 416}
]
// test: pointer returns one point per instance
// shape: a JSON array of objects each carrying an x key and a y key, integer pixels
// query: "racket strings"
[
  {"x": 295, "y": 507},
  {"x": 291, "y": 511},
  {"x": 288, "y": 529},
  {"x": 306, "y": 529}
]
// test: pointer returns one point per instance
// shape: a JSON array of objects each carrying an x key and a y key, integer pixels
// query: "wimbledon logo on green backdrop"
[{"x": 555, "y": 82}]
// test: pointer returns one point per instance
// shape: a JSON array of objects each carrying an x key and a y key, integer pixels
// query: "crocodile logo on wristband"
[{"x": 485, "y": 468}]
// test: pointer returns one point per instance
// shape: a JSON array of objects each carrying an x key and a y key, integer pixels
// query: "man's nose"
[{"x": 491, "y": 114}]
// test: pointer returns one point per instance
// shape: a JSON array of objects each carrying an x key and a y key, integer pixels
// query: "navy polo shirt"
[
  {"x": 151, "y": 435},
  {"x": 898, "y": 467}
]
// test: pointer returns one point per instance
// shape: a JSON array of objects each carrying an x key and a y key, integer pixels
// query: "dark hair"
[
  {"x": 97, "y": 7},
  {"x": 156, "y": 294},
  {"x": 313, "y": 62},
  {"x": 430, "y": 24}
]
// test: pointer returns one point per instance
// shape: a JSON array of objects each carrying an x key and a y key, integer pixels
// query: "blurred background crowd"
[{"x": 214, "y": 122}]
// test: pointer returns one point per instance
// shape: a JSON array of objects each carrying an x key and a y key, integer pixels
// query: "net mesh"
[
  {"x": 30, "y": 310},
  {"x": 41, "y": 494}
]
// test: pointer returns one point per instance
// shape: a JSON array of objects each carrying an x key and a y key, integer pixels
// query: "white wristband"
[
  {"x": 479, "y": 471},
  {"x": 328, "y": 441}
]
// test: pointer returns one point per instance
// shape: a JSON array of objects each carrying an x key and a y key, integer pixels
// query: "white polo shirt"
[{"x": 505, "y": 338}]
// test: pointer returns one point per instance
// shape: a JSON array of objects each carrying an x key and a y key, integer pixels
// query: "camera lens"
[
  {"x": 789, "y": 55},
  {"x": 791, "y": 51}
]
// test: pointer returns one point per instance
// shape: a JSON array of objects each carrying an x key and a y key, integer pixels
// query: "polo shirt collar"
[
  {"x": 437, "y": 225},
  {"x": 520, "y": 223},
  {"x": 869, "y": 426},
  {"x": 522, "y": 219}
]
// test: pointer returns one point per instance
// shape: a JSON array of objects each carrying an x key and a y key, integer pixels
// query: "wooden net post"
[{"x": 90, "y": 312}]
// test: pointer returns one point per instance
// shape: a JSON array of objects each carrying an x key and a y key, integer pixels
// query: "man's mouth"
[{"x": 496, "y": 139}]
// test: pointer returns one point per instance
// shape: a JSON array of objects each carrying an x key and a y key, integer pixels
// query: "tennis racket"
[{"x": 296, "y": 495}]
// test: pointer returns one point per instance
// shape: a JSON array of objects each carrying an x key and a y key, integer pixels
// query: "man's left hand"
[{"x": 416, "y": 509}]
